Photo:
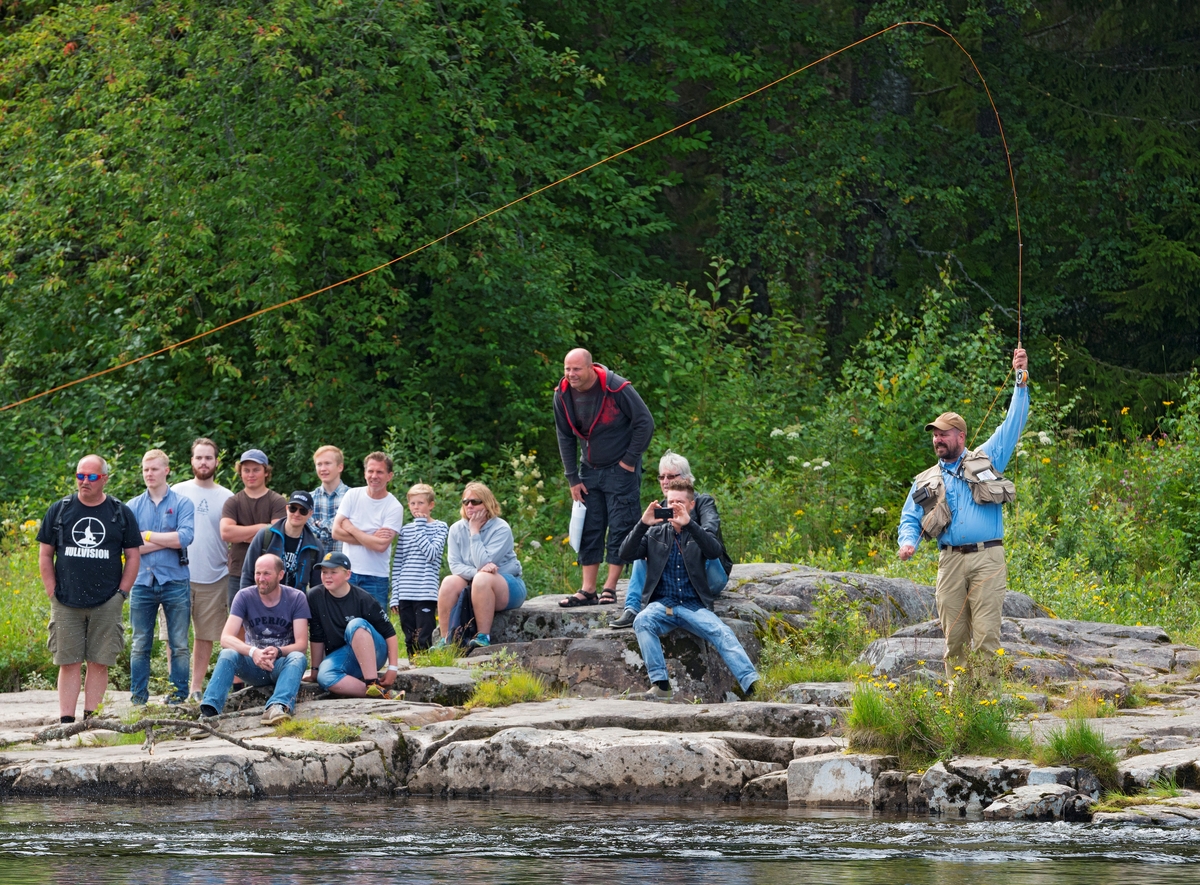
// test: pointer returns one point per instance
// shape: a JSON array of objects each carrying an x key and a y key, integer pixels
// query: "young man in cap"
[
  {"x": 248, "y": 512},
  {"x": 958, "y": 502},
  {"x": 351, "y": 635},
  {"x": 292, "y": 541}
]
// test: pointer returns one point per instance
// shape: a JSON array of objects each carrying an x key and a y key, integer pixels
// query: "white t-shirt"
[
  {"x": 368, "y": 514},
  {"x": 208, "y": 555}
]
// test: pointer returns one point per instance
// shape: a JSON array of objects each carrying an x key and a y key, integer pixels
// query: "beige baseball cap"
[{"x": 947, "y": 420}]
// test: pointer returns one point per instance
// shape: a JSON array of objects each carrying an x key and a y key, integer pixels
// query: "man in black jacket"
[
  {"x": 293, "y": 542},
  {"x": 603, "y": 410},
  {"x": 677, "y": 590}
]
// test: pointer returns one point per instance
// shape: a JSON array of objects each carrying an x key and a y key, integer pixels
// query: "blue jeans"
[
  {"x": 717, "y": 579},
  {"x": 285, "y": 677},
  {"x": 376, "y": 585},
  {"x": 654, "y": 622},
  {"x": 175, "y": 597},
  {"x": 344, "y": 662}
]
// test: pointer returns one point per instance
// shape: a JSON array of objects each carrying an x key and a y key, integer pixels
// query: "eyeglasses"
[
  {"x": 296, "y": 508},
  {"x": 90, "y": 477},
  {"x": 663, "y": 477},
  {"x": 474, "y": 502}
]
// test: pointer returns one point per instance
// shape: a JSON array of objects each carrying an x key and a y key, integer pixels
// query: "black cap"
[
  {"x": 334, "y": 560},
  {"x": 304, "y": 499}
]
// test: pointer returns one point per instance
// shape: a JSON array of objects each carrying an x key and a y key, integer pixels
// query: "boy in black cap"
[
  {"x": 292, "y": 541},
  {"x": 350, "y": 636}
]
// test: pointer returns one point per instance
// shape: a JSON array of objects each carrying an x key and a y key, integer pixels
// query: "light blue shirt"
[
  {"x": 971, "y": 523},
  {"x": 494, "y": 543},
  {"x": 174, "y": 513}
]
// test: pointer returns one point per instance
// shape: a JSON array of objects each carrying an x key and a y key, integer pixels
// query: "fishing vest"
[{"x": 988, "y": 486}]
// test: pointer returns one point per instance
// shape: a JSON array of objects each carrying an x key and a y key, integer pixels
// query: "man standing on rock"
[
  {"x": 275, "y": 620},
  {"x": 166, "y": 520},
  {"x": 208, "y": 559},
  {"x": 248, "y": 512},
  {"x": 677, "y": 590},
  {"x": 81, "y": 541},
  {"x": 599, "y": 407},
  {"x": 367, "y": 522},
  {"x": 958, "y": 502}
]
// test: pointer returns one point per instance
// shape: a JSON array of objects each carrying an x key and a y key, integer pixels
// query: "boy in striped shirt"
[{"x": 416, "y": 570}]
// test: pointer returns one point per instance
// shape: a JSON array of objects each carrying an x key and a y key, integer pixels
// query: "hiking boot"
[
  {"x": 655, "y": 694},
  {"x": 623, "y": 620},
  {"x": 481, "y": 640},
  {"x": 275, "y": 714}
]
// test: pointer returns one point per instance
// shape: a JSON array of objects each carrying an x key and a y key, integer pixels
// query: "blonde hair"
[
  {"x": 159, "y": 455},
  {"x": 330, "y": 450},
  {"x": 484, "y": 494},
  {"x": 422, "y": 489}
]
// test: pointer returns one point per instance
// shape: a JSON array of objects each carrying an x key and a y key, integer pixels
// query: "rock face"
[
  {"x": 603, "y": 763},
  {"x": 836, "y": 779},
  {"x": 1047, "y": 650}
]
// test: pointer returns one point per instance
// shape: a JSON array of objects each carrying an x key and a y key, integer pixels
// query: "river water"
[{"x": 414, "y": 841}]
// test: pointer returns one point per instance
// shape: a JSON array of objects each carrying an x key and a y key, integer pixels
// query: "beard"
[{"x": 204, "y": 472}]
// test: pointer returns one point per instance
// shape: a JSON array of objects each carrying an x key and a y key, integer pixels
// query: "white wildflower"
[
  {"x": 817, "y": 467},
  {"x": 792, "y": 459},
  {"x": 806, "y": 464},
  {"x": 541, "y": 500},
  {"x": 824, "y": 463},
  {"x": 776, "y": 432},
  {"x": 793, "y": 435},
  {"x": 879, "y": 510},
  {"x": 540, "y": 483},
  {"x": 536, "y": 545}
]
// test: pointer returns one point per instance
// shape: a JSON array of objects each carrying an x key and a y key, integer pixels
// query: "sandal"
[
  {"x": 608, "y": 596},
  {"x": 577, "y": 599}
]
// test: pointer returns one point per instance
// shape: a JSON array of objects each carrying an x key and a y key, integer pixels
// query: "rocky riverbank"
[{"x": 592, "y": 743}]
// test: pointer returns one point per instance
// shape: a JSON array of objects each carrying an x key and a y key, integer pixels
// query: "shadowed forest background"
[{"x": 795, "y": 286}]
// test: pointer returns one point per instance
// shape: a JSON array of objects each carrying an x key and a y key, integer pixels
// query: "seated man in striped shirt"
[{"x": 416, "y": 570}]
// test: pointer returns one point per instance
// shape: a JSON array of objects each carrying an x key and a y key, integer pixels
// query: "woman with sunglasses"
[
  {"x": 672, "y": 466},
  {"x": 483, "y": 560},
  {"x": 293, "y": 542}
]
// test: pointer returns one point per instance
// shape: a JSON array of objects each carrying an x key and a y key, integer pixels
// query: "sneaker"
[
  {"x": 481, "y": 640},
  {"x": 655, "y": 694},
  {"x": 375, "y": 690},
  {"x": 441, "y": 643},
  {"x": 623, "y": 620},
  {"x": 174, "y": 700},
  {"x": 275, "y": 714},
  {"x": 208, "y": 711}
]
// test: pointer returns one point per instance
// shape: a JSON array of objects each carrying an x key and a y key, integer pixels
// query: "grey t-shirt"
[
  {"x": 587, "y": 404},
  {"x": 270, "y": 626}
]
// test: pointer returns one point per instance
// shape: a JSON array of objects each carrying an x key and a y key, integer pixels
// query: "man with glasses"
[
  {"x": 367, "y": 522},
  {"x": 600, "y": 408},
  {"x": 80, "y": 544},
  {"x": 166, "y": 520},
  {"x": 293, "y": 542}
]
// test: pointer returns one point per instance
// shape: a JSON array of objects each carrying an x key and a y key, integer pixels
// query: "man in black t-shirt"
[
  {"x": 81, "y": 541},
  {"x": 350, "y": 635}
]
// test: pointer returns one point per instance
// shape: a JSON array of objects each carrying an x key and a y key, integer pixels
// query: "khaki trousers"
[{"x": 970, "y": 600}]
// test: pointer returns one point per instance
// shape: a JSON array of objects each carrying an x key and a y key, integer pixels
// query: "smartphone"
[{"x": 663, "y": 513}]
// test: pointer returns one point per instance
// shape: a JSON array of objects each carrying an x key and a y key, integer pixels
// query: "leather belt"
[{"x": 971, "y": 548}]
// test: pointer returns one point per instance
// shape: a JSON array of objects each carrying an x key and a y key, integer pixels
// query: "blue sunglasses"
[{"x": 90, "y": 477}]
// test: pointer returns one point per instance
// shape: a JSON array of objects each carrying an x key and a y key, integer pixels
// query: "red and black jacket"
[{"x": 621, "y": 430}]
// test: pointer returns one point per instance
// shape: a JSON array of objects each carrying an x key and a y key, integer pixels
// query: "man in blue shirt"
[
  {"x": 958, "y": 502},
  {"x": 166, "y": 520}
]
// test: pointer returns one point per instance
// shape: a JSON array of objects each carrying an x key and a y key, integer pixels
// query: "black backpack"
[
  {"x": 59, "y": 526},
  {"x": 462, "y": 628}
]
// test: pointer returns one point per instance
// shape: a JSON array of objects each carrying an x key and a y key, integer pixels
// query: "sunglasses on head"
[
  {"x": 474, "y": 502},
  {"x": 90, "y": 477},
  {"x": 296, "y": 508},
  {"x": 663, "y": 477}
]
